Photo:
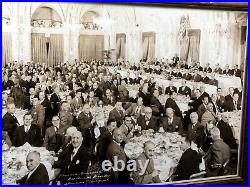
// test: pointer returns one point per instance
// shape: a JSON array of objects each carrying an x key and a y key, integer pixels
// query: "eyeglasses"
[{"x": 55, "y": 119}]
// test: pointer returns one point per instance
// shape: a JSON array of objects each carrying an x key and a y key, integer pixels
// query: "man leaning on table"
[
  {"x": 150, "y": 175},
  {"x": 37, "y": 171}
]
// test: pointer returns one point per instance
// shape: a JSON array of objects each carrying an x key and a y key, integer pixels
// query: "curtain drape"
[
  {"x": 55, "y": 53},
  {"x": 194, "y": 46},
  {"x": 6, "y": 48},
  {"x": 184, "y": 49},
  {"x": 148, "y": 45},
  {"x": 91, "y": 47},
  {"x": 120, "y": 46},
  {"x": 38, "y": 45}
]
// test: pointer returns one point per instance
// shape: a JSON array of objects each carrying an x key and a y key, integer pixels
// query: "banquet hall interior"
[{"x": 83, "y": 83}]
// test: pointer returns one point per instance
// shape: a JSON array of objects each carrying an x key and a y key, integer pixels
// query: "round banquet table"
[{"x": 167, "y": 150}]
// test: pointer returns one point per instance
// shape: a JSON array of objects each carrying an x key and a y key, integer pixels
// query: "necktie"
[
  {"x": 235, "y": 105},
  {"x": 72, "y": 155}
]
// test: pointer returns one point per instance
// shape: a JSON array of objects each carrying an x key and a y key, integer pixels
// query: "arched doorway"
[
  {"x": 46, "y": 40},
  {"x": 91, "y": 43}
]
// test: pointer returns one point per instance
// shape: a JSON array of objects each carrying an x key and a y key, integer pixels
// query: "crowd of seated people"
[{"x": 86, "y": 84}]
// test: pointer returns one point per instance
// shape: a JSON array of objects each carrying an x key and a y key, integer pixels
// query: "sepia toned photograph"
[{"x": 100, "y": 93}]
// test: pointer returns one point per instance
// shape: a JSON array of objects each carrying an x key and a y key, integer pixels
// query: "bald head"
[
  {"x": 118, "y": 135},
  {"x": 215, "y": 133},
  {"x": 32, "y": 160}
]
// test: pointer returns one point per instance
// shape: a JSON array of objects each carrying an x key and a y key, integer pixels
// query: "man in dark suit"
[
  {"x": 18, "y": 94},
  {"x": 226, "y": 132},
  {"x": 184, "y": 90},
  {"x": 38, "y": 173},
  {"x": 171, "y": 123},
  {"x": 38, "y": 113},
  {"x": 55, "y": 101},
  {"x": 196, "y": 77},
  {"x": 75, "y": 161},
  {"x": 233, "y": 105},
  {"x": 220, "y": 99},
  {"x": 136, "y": 109},
  {"x": 218, "y": 153},
  {"x": 207, "y": 68},
  {"x": 230, "y": 95},
  {"x": 217, "y": 69},
  {"x": 205, "y": 79},
  {"x": 104, "y": 140},
  {"x": 227, "y": 71},
  {"x": 202, "y": 108},
  {"x": 170, "y": 88},
  {"x": 66, "y": 118},
  {"x": 187, "y": 75},
  {"x": 189, "y": 162},
  {"x": 53, "y": 140},
  {"x": 170, "y": 103},
  {"x": 109, "y": 99},
  {"x": 117, "y": 113},
  {"x": 148, "y": 121},
  {"x": 156, "y": 105},
  {"x": 9, "y": 121},
  {"x": 97, "y": 91},
  {"x": 115, "y": 151},
  {"x": 28, "y": 132},
  {"x": 236, "y": 71},
  {"x": 28, "y": 99},
  {"x": 195, "y": 130},
  {"x": 150, "y": 175},
  {"x": 198, "y": 66},
  {"x": 86, "y": 121}
]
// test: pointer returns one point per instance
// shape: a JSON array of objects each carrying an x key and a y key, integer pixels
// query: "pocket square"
[{"x": 78, "y": 161}]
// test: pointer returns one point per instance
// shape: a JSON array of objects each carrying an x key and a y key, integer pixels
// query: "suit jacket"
[
  {"x": 98, "y": 93},
  {"x": 197, "y": 78},
  {"x": 33, "y": 136},
  {"x": 208, "y": 116},
  {"x": 117, "y": 116},
  {"x": 229, "y": 106},
  {"x": 103, "y": 142},
  {"x": 78, "y": 165},
  {"x": 134, "y": 110},
  {"x": 188, "y": 164},
  {"x": 115, "y": 150},
  {"x": 156, "y": 106},
  {"x": 170, "y": 90},
  {"x": 152, "y": 124},
  {"x": 6, "y": 138},
  {"x": 218, "y": 153},
  {"x": 27, "y": 103},
  {"x": 201, "y": 110},
  {"x": 107, "y": 101},
  {"x": 53, "y": 140},
  {"x": 9, "y": 123},
  {"x": 228, "y": 97},
  {"x": 236, "y": 72},
  {"x": 175, "y": 126},
  {"x": 66, "y": 120},
  {"x": 218, "y": 70},
  {"x": 55, "y": 103},
  {"x": 170, "y": 103},
  {"x": 228, "y": 72},
  {"x": 39, "y": 176},
  {"x": 226, "y": 134},
  {"x": 47, "y": 107},
  {"x": 208, "y": 69},
  {"x": 205, "y": 80},
  {"x": 184, "y": 91},
  {"x": 196, "y": 133},
  {"x": 146, "y": 178},
  {"x": 220, "y": 102},
  {"x": 18, "y": 95},
  {"x": 213, "y": 82},
  {"x": 187, "y": 76},
  {"x": 84, "y": 120},
  {"x": 38, "y": 115}
]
